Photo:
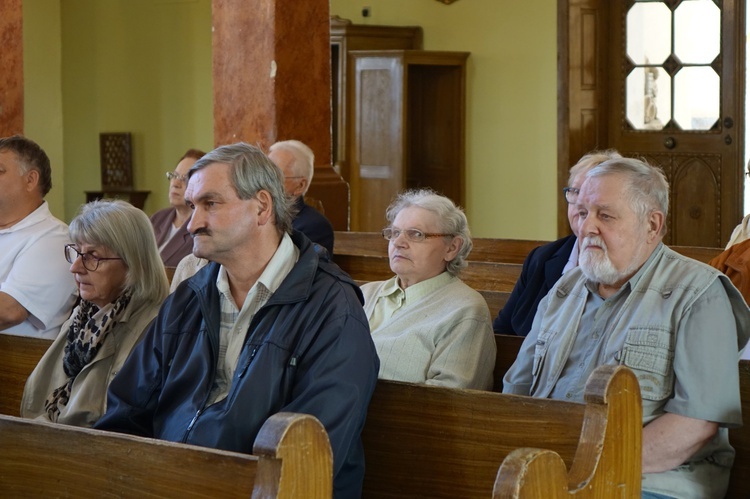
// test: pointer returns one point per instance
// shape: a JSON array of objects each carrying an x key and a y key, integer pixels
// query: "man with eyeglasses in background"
[
  {"x": 170, "y": 224},
  {"x": 546, "y": 264},
  {"x": 36, "y": 290},
  {"x": 297, "y": 162}
]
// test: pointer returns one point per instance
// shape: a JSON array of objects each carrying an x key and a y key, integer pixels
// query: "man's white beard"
[{"x": 596, "y": 265}]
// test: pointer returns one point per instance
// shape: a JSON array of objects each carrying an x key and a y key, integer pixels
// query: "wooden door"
[{"x": 614, "y": 93}]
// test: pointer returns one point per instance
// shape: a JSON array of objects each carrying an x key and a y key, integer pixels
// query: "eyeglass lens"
[{"x": 176, "y": 176}]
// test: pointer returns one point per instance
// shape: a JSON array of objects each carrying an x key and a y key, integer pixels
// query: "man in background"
[
  {"x": 37, "y": 291},
  {"x": 297, "y": 163}
]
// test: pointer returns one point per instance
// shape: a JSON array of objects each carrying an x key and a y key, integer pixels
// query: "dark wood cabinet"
[
  {"x": 406, "y": 125},
  {"x": 345, "y": 37}
]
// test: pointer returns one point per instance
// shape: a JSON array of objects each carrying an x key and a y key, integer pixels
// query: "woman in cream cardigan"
[
  {"x": 427, "y": 325},
  {"x": 121, "y": 283}
]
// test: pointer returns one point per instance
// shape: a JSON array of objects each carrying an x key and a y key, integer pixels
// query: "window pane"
[
  {"x": 649, "y": 33},
  {"x": 697, "y": 29},
  {"x": 696, "y": 98},
  {"x": 648, "y": 98}
]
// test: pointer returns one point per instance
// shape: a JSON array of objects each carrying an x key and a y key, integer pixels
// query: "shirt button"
[{"x": 568, "y": 395}]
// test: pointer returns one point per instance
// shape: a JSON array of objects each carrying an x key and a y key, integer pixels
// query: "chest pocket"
[{"x": 649, "y": 352}]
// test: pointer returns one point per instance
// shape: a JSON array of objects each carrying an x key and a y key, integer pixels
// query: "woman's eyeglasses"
[
  {"x": 90, "y": 262},
  {"x": 411, "y": 235}
]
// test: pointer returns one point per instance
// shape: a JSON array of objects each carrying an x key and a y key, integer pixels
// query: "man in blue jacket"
[{"x": 269, "y": 325}]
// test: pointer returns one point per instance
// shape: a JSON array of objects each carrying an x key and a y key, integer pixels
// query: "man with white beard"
[{"x": 678, "y": 324}]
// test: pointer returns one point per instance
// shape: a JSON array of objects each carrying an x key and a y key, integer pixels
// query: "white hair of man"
[
  {"x": 304, "y": 158},
  {"x": 647, "y": 187}
]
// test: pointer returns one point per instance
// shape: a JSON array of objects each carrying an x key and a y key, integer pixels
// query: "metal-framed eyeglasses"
[
  {"x": 571, "y": 194},
  {"x": 90, "y": 262},
  {"x": 411, "y": 235},
  {"x": 177, "y": 176}
]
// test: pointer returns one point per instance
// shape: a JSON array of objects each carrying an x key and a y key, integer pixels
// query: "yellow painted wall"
[
  {"x": 139, "y": 66},
  {"x": 42, "y": 89},
  {"x": 144, "y": 66},
  {"x": 511, "y": 134}
]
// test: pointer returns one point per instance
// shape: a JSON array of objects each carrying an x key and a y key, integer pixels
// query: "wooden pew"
[
  {"x": 425, "y": 441},
  {"x": 487, "y": 276},
  {"x": 507, "y": 351},
  {"x": 739, "y": 487},
  {"x": 292, "y": 458},
  {"x": 485, "y": 249},
  {"x": 19, "y": 355}
]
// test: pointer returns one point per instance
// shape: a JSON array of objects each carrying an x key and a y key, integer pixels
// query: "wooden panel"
[
  {"x": 435, "y": 149},
  {"x": 696, "y": 202},
  {"x": 582, "y": 88},
  {"x": 18, "y": 356},
  {"x": 377, "y": 165},
  {"x": 739, "y": 486},
  {"x": 346, "y": 37},
  {"x": 407, "y": 112}
]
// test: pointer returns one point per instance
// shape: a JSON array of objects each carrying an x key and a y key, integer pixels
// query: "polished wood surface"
[
  {"x": 47, "y": 460},
  {"x": 406, "y": 128},
  {"x": 485, "y": 249},
  {"x": 424, "y": 441},
  {"x": 486, "y": 276},
  {"x": 739, "y": 438},
  {"x": 19, "y": 355}
]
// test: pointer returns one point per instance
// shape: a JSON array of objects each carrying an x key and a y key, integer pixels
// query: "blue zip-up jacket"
[{"x": 307, "y": 350}]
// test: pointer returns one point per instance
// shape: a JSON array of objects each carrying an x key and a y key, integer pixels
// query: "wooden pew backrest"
[
  {"x": 739, "y": 487},
  {"x": 482, "y": 276},
  {"x": 425, "y": 441},
  {"x": 485, "y": 249},
  {"x": 507, "y": 351},
  {"x": 293, "y": 459},
  {"x": 19, "y": 355}
]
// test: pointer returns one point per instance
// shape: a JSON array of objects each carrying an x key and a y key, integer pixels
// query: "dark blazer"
[
  {"x": 541, "y": 270},
  {"x": 179, "y": 246},
  {"x": 313, "y": 224}
]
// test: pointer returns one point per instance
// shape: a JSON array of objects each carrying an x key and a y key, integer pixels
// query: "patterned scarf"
[{"x": 87, "y": 332}]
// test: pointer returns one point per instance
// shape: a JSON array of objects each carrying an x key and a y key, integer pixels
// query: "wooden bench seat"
[
  {"x": 292, "y": 458},
  {"x": 425, "y": 441}
]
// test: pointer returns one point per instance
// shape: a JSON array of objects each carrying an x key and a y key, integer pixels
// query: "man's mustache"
[{"x": 200, "y": 232}]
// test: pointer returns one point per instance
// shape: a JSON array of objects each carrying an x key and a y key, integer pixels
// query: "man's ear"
[
  {"x": 303, "y": 184},
  {"x": 656, "y": 221},
  {"x": 32, "y": 179},
  {"x": 265, "y": 206}
]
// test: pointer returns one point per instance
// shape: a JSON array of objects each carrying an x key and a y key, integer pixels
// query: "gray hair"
[
  {"x": 451, "y": 218},
  {"x": 590, "y": 160},
  {"x": 647, "y": 187},
  {"x": 304, "y": 158},
  {"x": 128, "y": 232},
  {"x": 251, "y": 172}
]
